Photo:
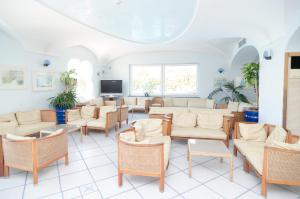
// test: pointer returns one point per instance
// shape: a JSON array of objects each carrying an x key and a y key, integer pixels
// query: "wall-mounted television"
[
  {"x": 295, "y": 62},
  {"x": 111, "y": 86}
]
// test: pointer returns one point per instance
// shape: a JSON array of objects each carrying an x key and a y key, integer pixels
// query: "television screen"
[
  {"x": 111, "y": 86},
  {"x": 295, "y": 62}
]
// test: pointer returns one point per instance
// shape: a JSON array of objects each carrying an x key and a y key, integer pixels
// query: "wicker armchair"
[
  {"x": 144, "y": 159},
  {"x": 122, "y": 115},
  {"x": 107, "y": 119},
  {"x": 157, "y": 102},
  {"x": 278, "y": 166},
  {"x": 34, "y": 154}
]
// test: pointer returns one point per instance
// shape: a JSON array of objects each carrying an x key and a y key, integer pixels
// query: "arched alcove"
[{"x": 245, "y": 55}]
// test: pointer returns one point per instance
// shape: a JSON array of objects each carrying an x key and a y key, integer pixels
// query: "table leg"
[{"x": 231, "y": 168}]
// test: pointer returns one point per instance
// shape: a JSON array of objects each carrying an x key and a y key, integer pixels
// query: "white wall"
[
  {"x": 208, "y": 66},
  {"x": 14, "y": 56}
]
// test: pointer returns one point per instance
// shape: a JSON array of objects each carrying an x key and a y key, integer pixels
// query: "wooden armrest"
[
  {"x": 167, "y": 127},
  {"x": 227, "y": 124},
  {"x": 48, "y": 115}
]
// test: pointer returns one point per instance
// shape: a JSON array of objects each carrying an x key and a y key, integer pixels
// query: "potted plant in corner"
[
  {"x": 250, "y": 74},
  {"x": 66, "y": 99}
]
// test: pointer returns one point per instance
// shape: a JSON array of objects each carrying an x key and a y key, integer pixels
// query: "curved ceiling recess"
[{"x": 139, "y": 21}]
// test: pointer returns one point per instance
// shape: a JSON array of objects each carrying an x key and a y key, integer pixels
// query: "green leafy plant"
[
  {"x": 64, "y": 100},
  {"x": 69, "y": 79},
  {"x": 250, "y": 74},
  {"x": 229, "y": 93}
]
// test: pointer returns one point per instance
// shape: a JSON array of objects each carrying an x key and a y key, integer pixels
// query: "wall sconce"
[
  {"x": 46, "y": 63},
  {"x": 221, "y": 70},
  {"x": 267, "y": 54}
]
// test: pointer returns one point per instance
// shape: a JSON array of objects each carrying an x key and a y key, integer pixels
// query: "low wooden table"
[{"x": 212, "y": 148}]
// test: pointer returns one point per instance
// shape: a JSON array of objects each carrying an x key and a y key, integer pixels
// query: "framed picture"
[
  {"x": 13, "y": 78},
  {"x": 43, "y": 81}
]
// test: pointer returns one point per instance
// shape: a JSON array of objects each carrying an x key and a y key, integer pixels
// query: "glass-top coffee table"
[
  {"x": 212, "y": 148},
  {"x": 49, "y": 130}
]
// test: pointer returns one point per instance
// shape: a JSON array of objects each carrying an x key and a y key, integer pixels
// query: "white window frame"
[{"x": 163, "y": 79}]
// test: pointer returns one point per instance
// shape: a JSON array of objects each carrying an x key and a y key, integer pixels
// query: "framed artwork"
[
  {"x": 43, "y": 81},
  {"x": 13, "y": 78}
]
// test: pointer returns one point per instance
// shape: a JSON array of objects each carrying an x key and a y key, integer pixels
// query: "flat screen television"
[
  {"x": 111, "y": 86},
  {"x": 295, "y": 62}
]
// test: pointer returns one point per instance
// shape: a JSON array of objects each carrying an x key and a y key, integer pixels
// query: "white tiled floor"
[{"x": 92, "y": 174}]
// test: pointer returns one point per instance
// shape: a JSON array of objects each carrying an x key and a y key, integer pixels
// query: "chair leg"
[
  {"x": 246, "y": 166},
  {"x": 120, "y": 124},
  {"x": 235, "y": 151},
  {"x": 67, "y": 159},
  {"x": 263, "y": 187},
  {"x": 35, "y": 176},
  {"x": 161, "y": 184},
  {"x": 127, "y": 121},
  {"x": 6, "y": 170},
  {"x": 120, "y": 178},
  {"x": 106, "y": 132}
]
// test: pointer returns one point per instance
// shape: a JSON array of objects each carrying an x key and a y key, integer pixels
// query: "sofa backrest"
[
  {"x": 28, "y": 117},
  {"x": 180, "y": 102},
  {"x": 141, "y": 101},
  {"x": 9, "y": 117},
  {"x": 201, "y": 103},
  {"x": 129, "y": 100},
  {"x": 97, "y": 101},
  {"x": 88, "y": 112}
]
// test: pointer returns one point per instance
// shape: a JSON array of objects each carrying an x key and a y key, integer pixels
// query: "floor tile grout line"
[
  {"x": 88, "y": 171},
  {"x": 59, "y": 180},
  {"x": 23, "y": 194}
]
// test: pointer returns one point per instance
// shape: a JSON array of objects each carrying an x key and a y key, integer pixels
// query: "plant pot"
[
  {"x": 60, "y": 116},
  {"x": 251, "y": 115}
]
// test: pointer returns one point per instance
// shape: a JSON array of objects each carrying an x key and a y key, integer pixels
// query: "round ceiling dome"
[{"x": 153, "y": 21}]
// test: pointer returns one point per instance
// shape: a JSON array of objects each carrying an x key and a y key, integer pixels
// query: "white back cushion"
[
  {"x": 74, "y": 115},
  {"x": 210, "y": 119},
  {"x": 29, "y": 117},
  {"x": 254, "y": 132},
  {"x": 180, "y": 102},
  {"x": 184, "y": 119},
  {"x": 105, "y": 109},
  {"x": 278, "y": 134},
  {"x": 87, "y": 112}
]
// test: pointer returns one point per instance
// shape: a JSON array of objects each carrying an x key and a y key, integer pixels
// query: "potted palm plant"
[
  {"x": 229, "y": 92},
  {"x": 66, "y": 99},
  {"x": 250, "y": 74}
]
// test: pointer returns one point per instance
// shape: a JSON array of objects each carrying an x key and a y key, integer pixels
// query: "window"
[
  {"x": 168, "y": 79},
  {"x": 180, "y": 79},
  {"x": 84, "y": 70},
  {"x": 145, "y": 78}
]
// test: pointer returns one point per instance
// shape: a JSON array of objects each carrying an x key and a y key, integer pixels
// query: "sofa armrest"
[
  {"x": 111, "y": 119},
  {"x": 227, "y": 124},
  {"x": 48, "y": 116},
  {"x": 281, "y": 166},
  {"x": 147, "y": 105},
  {"x": 167, "y": 127}
]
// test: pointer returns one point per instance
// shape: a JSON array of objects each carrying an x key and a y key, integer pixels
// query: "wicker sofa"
[
  {"x": 137, "y": 103},
  {"x": 214, "y": 124},
  {"x": 24, "y": 123},
  {"x": 146, "y": 157},
  {"x": 171, "y": 105},
  {"x": 30, "y": 154},
  {"x": 273, "y": 164}
]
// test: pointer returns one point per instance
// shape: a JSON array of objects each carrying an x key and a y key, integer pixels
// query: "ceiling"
[{"x": 212, "y": 26}]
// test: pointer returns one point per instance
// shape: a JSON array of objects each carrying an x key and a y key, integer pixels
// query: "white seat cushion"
[
  {"x": 198, "y": 133},
  {"x": 81, "y": 122},
  {"x": 29, "y": 117},
  {"x": 249, "y": 146},
  {"x": 33, "y": 128},
  {"x": 256, "y": 160},
  {"x": 210, "y": 119},
  {"x": 98, "y": 123}
]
